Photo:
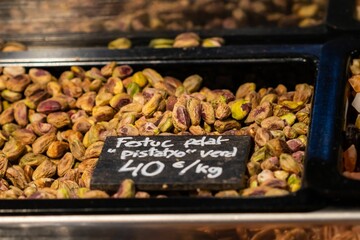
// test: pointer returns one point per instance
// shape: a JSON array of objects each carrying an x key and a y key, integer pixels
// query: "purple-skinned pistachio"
[
  {"x": 120, "y": 100},
  {"x": 122, "y": 71},
  {"x": 39, "y": 76},
  {"x": 18, "y": 83},
  {"x": 245, "y": 89}
]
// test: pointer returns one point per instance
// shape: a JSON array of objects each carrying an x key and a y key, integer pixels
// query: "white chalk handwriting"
[{"x": 190, "y": 159}]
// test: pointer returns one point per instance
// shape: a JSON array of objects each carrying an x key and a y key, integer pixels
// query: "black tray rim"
[
  {"x": 244, "y": 35},
  {"x": 87, "y": 54},
  {"x": 324, "y": 173},
  {"x": 304, "y": 200}
]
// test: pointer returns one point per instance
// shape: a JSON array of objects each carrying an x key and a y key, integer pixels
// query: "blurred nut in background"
[
  {"x": 71, "y": 16},
  {"x": 12, "y": 46}
]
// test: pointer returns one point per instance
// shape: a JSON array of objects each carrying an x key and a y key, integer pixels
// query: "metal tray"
[
  {"x": 324, "y": 224},
  {"x": 273, "y": 64}
]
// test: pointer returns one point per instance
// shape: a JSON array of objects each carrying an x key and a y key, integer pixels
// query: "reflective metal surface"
[{"x": 175, "y": 226}]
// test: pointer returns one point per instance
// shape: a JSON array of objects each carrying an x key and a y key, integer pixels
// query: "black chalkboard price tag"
[{"x": 173, "y": 162}]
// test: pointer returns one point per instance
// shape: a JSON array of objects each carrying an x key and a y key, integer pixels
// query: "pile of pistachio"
[
  {"x": 273, "y": 232},
  {"x": 143, "y": 15},
  {"x": 186, "y": 40},
  {"x": 183, "y": 40},
  {"x": 53, "y": 128}
]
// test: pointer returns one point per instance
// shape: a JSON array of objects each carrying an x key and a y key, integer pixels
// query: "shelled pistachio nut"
[{"x": 53, "y": 128}]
